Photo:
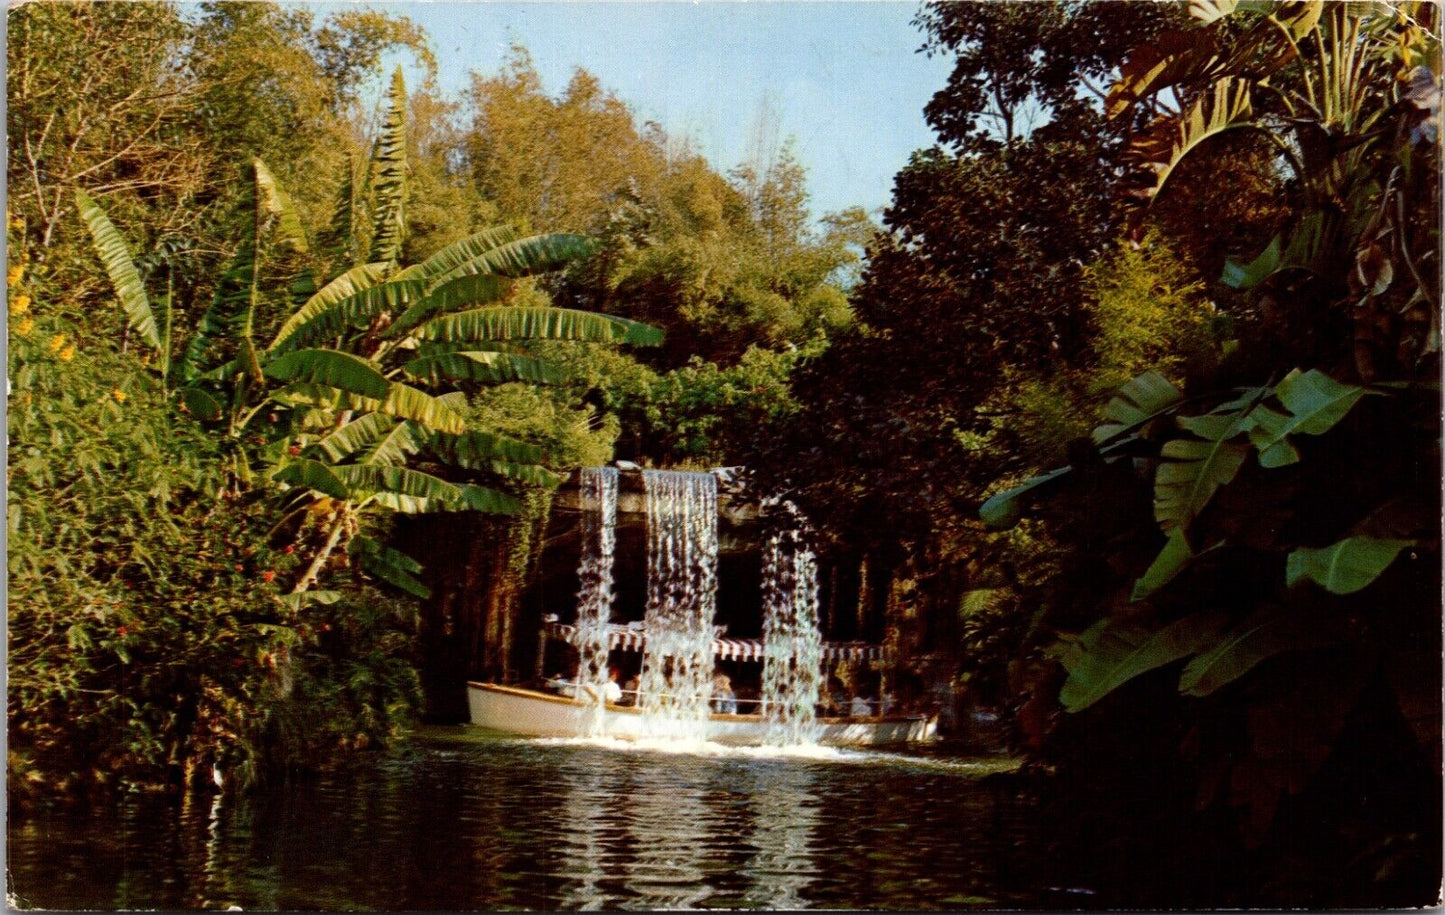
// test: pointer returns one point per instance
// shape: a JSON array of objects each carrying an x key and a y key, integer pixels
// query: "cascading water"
[
  {"x": 597, "y": 488},
  {"x": 682, "y": 547},
  {"x": 792, "y": 642}
]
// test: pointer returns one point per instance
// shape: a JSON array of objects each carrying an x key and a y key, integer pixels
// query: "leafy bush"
[{"x": 145, "y": 614}]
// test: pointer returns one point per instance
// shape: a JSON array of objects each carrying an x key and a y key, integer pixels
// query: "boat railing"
[{"x": 633, "y": 698}]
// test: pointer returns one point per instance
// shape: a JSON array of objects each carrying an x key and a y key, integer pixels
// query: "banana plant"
[
  {"x": 1348, "y": 94},
  {"x": 1196, "y": 456},
  {"x": 365, "y": 382}
]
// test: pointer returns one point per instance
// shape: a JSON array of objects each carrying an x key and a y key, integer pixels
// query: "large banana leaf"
[
  {"x": 1209, "y": 11},
  {"x": 389, "y": 178},
  {"x": 1344, "y": 567},
  {"x": 312, "y": 475},
  {"x": 1171, "y": 58},
  {"x": 201, "y": 404},
  {"x": 482, "y": 499},
  {"x": 399, "y": 443},
  {"x": 1303, "y": 251},
  {"x": 535, "y": 474},
  {"x": 1315, "y": 402},
  {"x": 480, "y": 366},
  {"x": 344, "y": 286},
  {"x": 1155, "y": 153},
  {"x": 362, "y": 432},
  {"x": 460, "y": 253},
  {"x": 275, "y": 202},
  {"x": 1004, "y": 510},
  {"x": 369, "y": 478},
  {"x": 1111, "y": 653},
  {"x": 332, "y": 368},
  {"x": 433, "y": 412},
  {"x": 1175, "y": 557},
  {"x": 1265, "y": 633},
  {"x": 120, "y": 267},
  {"x": 1194, "y": 469},
  {"x": 1139, "y": 400},
  {"x": 513, "y": 322},
  {"x": 319, "y": 319},
  {"x": 463, "y": 292},
  {"x": 230, "y": 308},
  {"x": 390, "y": 565},
  {"x": 526, "y": 256},
  {"x": 477, "y": 450},
  {"x": 324, "y": 398},
  {"x": 379, "y": 478}
]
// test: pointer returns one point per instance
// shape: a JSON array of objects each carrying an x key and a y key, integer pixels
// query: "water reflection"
[
  {"x": 784, "y": 808},
  {"x": 584, "y": 848},
  {"x": 465, "y": 823},
  {"x": 670, "y": 830}
]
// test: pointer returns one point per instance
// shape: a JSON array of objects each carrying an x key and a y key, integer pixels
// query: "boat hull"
[{"x": 534, "y": 714}]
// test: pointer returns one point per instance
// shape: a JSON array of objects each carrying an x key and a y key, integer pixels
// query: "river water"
[{"x": 462, "y": 820}]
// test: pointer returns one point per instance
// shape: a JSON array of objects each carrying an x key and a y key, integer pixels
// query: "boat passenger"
[
  {"x": 611, "y": 691},
  {"x": 724, "y": 700},
  {"x": 860, "y": 707},
  {"x": 629, "y": 691}
]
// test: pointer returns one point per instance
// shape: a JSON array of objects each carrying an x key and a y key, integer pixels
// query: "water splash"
[
  {"x": 682, "y": 546},
  {"x": 597, "y": 489},
  {"x": 792, "y": 642}
]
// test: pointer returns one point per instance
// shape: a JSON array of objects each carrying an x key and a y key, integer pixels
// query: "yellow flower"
[
  {"x": 119, "y": 395},
  {"x": 12, "y": 278},
  {"x": 56, "y": 342},
  {"x": 68, "y": 353},
  {"x": 16, "y": 222},
  {"x": 20, "y": 304},
  {"x": 25, "y": 326}
]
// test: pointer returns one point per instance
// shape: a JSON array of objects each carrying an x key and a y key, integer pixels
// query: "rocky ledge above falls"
[{"x": 740, "y": 512}]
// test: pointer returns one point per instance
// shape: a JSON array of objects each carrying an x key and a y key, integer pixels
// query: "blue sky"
[{"x": 842, "y": 78}]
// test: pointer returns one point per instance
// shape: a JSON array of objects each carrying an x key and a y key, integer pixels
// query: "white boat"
[{"x": 530, "y": 713}]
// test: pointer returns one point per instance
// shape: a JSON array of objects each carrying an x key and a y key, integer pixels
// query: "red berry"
[
  {"x": 294, "y": 450},
  {"x": 240, "y": 568},
  {"x": 268, "y": 576},
  {"x": 121, "y": 630},
  {"x": 288, "y": 549}
]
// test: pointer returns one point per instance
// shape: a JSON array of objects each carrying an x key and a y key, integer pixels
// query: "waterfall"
[
  {"x": 682, "y": 546},
  {"x": 597, "y": 490},
  {"x": 792, "y": 643}
]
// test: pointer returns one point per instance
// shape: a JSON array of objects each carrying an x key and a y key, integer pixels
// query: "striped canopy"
[{"x": 630, "y": 639}]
